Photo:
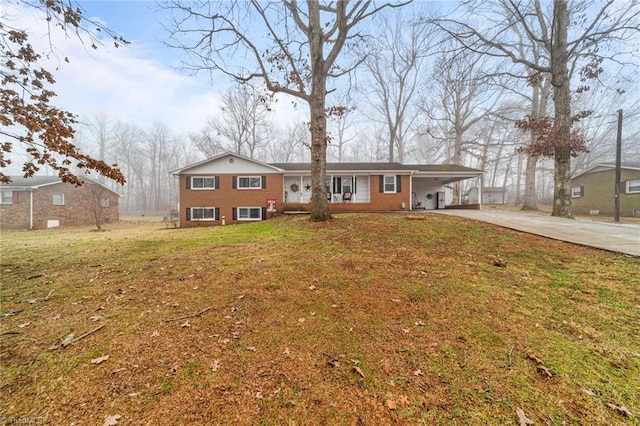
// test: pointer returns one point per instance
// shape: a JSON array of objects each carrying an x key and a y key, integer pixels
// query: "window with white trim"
[
  {"x": 7, "y": 197},
  {"x": 203, "y": 183},
  {"x": 203, "y": 213},
  {"x": 633, "y": 187},
  {"x": 58, "y": 199},
  {"x": 249, "y": 182},
  {"x": 249, "y": 213},
  {"x": 577, "y": 191},
  {"x": 389, "y": 184},
  {"x": 104, "y": 202}
]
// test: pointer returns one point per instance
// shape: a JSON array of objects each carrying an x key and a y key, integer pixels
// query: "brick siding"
[{"x": 74, "y": 212}]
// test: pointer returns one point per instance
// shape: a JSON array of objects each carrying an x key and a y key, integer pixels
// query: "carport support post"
[{"x": 616, "y": 207}]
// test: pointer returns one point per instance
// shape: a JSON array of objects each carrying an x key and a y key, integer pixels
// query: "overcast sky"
[{"x": 139, "y": 84}]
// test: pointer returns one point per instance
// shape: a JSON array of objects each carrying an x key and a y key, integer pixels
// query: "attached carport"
[{"x": 439, "y": 186}]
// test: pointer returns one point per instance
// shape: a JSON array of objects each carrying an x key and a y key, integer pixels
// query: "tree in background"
[
  {"x": 595, "y": 27},
  {"x": 292, "y": 47},
  {"x": 28, "y": 116}
]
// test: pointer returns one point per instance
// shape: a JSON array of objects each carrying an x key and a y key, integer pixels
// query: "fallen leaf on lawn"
[
  {"x": 95, "y": 318},
  {"x": 215, "y": 365},
  {"x": 588, "y": 392},
  {"x": 333, "y": 362},
  {"x": 286, "y": 352},
  {"x": 405, "y": 400},
  {"x": 251, "y": 348},
  {"x": 534, "y": 358},
  {"x": 301, "y": 320},
  {"x": 259, "y": 395},
  {"x": 522, "y": 418},
  {"x": 418, "y": 373},
  {"x": 544, "y": 371},
  {"x": 241, "y": 296},
  {"x": 420, "y": 323},
  {"x": 111, "y": 420},
  {"x": 359, "y": 371},
  {"x": 23, "y": 325},
  {"x": 155, "y": 333},
  {"x": 312, "y": 287},
  {"x": 185, "y": 324},
  {"x": 100, "y": 360},
  {"x": 620, "y": 409},
  {"x": 68, "y": 340},
  {"x": 391, "y": 404}
]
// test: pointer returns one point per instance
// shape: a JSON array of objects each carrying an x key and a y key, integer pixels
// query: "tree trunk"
[
  {"x": 562, "y": 104},
  {"x": 317, "y": 105},
  {"x": 529, "y": 202}
]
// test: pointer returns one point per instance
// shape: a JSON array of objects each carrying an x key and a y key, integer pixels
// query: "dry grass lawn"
[{"x": 365, "y": 320}]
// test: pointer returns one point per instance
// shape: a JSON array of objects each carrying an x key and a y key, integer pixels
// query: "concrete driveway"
[{"x": 620, "y": 238}]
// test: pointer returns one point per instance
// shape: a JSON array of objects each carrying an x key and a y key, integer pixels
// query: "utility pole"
[{"x": 616, "y": 208}]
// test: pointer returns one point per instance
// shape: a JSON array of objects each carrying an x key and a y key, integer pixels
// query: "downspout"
[{"x": 411, "y": 191}]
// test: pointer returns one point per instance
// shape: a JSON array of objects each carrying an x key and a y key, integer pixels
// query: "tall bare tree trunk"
[
  {"x": 317, "y": 104},
  {"x": 562, "y": 104},
  {"x": 530, "y": 202}
]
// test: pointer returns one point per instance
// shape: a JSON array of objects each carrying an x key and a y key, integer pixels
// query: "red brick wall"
[
  {"x": 74, "y": 212},
  {"x": 226, "y": 198}
]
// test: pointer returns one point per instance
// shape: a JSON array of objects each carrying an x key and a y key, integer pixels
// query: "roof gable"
[
  {"x": 228, "y": 163},
  {"x": 602, "y": 167}
]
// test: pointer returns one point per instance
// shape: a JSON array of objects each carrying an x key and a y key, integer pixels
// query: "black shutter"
[
  {"x": 216, "y": 182},
  {"x": 264, "y": 182},
  {"x": 381, "y": 183},
  {"x": 398, "y": 183},
  {"x": 234, "y": 182},
  {"x": 188, "y": 213},
  {"x": 216, "y": 213},
  {"x": 264, "y": 213},
  {"x": 582, "y": 191},
  {"x": 235, "y": 213},
  {"x": 188, "y": 182},
  {"x": 354, "y": 184}
]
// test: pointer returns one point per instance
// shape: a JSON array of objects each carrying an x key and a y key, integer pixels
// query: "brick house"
[
  {"x": 233, "y": 188},
  {"x": 593, "y": 191},
  {"x": 42, "y": 202}
]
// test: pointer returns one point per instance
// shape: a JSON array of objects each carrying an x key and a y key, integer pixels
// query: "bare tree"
[
  {"x": 593, "y": 24},
  {"x": 292, "y": 47},
  {"x": 396, "y": 69},
  {"x": 242, "y": 126}
]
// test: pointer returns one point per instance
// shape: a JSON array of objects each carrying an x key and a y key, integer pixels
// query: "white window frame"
[
  {"x": 251, "y": 180},
  {"x": 385, "y": 184},
  {"x": 58, "y": 202},
  {"x": 576, "y": 192},
  {"x": 203, "y": 218},
  {"x": 636, "y": 184},
  {"x": 203, "y": 187},
  {"x": 248, "y": 217},
  {"x": 6, "y": 197}
]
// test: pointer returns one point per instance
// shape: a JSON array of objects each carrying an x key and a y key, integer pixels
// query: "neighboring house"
[
  {"x": 230, "y": 188},
  {"x": 490, "y": 195},
  {"x": 593, "y": 191},
  {"x": 42, "y": 202}
]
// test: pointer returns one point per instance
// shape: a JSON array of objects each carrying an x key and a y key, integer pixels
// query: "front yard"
[{"x": 368, "y": 319}]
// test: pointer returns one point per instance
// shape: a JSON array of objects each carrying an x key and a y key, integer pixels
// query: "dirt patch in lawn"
[{"x": 367, "y": 319}]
